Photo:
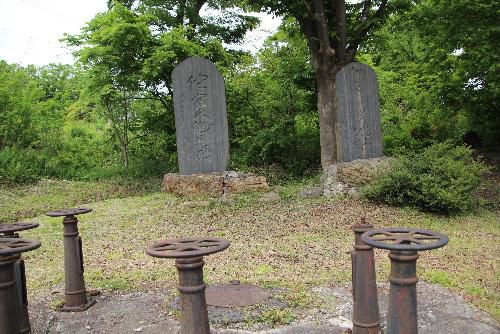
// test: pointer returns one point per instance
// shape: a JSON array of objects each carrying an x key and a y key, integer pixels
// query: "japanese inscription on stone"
[
  {"x": 200, "y": 117},
  {"x": 359, "y": 134}
]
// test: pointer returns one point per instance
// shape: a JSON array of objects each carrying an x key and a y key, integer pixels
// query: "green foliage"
[
  {"x": 438, "y": 72},
  {"x": 277, "y": 316},
  {"x": 272, "y": 106},
  {"x": 441, "y": 178}
]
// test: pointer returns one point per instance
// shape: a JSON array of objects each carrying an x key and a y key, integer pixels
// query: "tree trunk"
[{"x": 327, "y": 109}]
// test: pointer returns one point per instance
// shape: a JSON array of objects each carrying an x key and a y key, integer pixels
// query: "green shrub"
[{"x": 440, "y": 178}]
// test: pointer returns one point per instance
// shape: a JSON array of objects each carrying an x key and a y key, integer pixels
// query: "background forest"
[{"x": 111, "y": 114}]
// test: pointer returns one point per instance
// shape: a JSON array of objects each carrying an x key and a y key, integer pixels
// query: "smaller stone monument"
[
  {"x": 202, "y": 134},
  {"x": 359, "y": 134},
  {"x": 358, "y": 130}
]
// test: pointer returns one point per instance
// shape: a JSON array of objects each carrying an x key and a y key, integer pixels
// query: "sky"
[{"x": 30, "y": 29}]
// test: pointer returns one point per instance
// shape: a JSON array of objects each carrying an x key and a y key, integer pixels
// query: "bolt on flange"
[
  {"x": 10, "y": 254},
  {"x": 75, "y": 294},
  {"x": 365, "y": 313},
  {"x": 10, "y": 231},
  {"x": 403, "y": 244},
  {"x": 188, "y": 254}
]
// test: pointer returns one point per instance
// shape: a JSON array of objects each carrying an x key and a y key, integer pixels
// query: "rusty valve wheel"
[
  {"x": 10, "y": 254},
  {"x": 10, "y": 229},
  {"x": 403, "y": 243},
  {"x": 187, "y": 247},
  {"x": 404, "y": 239},
  {"x": 75, "y": 294},
  {"x": 10, "y": 246},
  {"x": 68, "y": 212},
  {"x": 188, "y": 254}
]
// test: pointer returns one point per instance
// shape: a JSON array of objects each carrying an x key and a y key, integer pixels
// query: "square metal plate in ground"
[{"x": 235, "y": 294}]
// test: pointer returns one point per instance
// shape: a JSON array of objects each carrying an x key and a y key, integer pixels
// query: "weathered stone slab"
[
  {"x": 213, "y": 184},
  {"x": 358, "y": 129},
  {"x": 344, "y": 178},
  {"x": 197, "y": 184},
  {"x": 235, "y": 182},
  {"x": 200, "y": 117}
]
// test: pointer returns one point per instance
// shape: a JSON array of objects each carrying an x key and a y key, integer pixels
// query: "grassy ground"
[{"x": 295, "y": 243}]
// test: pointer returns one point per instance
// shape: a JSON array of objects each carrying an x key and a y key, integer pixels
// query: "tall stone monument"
[
  {"x": 202, "y": 135},
  {"x": 200, "y": 117},
  {"x": 359, "y": 134}
]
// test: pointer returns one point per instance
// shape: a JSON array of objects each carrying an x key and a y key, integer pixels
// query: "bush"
[{"x": 440, "y": 178}]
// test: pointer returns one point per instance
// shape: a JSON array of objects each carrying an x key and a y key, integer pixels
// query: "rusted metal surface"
[
  {"x": 365, "y": 314},
  {"x": 10, "y": 254},
  {"x": 187, "y": 247},
  {"x": 403, "y": 244},
  {"x": 401, "y": 239},
  {"x": 11, "y": 246},
  {"x": 68, "y": 212},
  {"x": 75, "y": 294},
  {"x": 188, "y": 254},
  {"x": 24, "y": 319},
  {"x": 235, "y": 294},
  {"x": 10, "y": 231}
]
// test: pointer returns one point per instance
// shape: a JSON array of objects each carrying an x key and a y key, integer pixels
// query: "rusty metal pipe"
[
  {"x": 10, "y": 231},
  {"x": 194, "y": 316},
  {"x": 402, "y": 309},
  {"x": 11, "y": 312},
  {"x": 9, "y": 322},
  {"x": 75, "y": 294},
  {"x": 22, "y": 298},
  {"x": 365, "y": 313}
]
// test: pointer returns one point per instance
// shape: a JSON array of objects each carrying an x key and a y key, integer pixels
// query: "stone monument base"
[
  {"x": 213, "y": 184},
  {"x": 345, "y": 178}
]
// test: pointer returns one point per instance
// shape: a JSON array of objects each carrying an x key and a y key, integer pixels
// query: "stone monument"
[
  {"x": 359, "y": 134},
  {"x": 202, "y": 134},
  {"x": 200, "y": 117}
]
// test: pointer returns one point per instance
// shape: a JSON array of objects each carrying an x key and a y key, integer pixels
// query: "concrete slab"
[{"x": 440, "y": 312}]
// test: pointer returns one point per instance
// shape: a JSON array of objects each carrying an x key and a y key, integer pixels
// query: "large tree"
[{"x": 335, "y": 30}]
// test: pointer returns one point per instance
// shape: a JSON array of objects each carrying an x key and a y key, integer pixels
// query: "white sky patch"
[
  {"x": 255, "y": 39},
  {"x": 30, "y": 30}
]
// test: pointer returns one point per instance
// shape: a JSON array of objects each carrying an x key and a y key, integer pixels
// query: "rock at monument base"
[
  {"x": 270, "y": 197},
  {"x": 213, "y": 184},
  {"x": 311, "y": 192},
  {"x": 197, "y": 184},
  {"x": 235, "y": 182},
  {"x": 345, "y": 178}
]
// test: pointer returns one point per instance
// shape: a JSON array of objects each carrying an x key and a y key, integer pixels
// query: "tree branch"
[
  {"x": 352, "y": 49},
  {"x": 193, "y": 20},
  {"x": 307, "y": 27},
  {"x": 325, "y": 46},
  {"x": 181, "y": 12},
  {"x": 308, "y": 7},
  {"x": 366, "y": 7},
  {"x": 341, "y": 23}
]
